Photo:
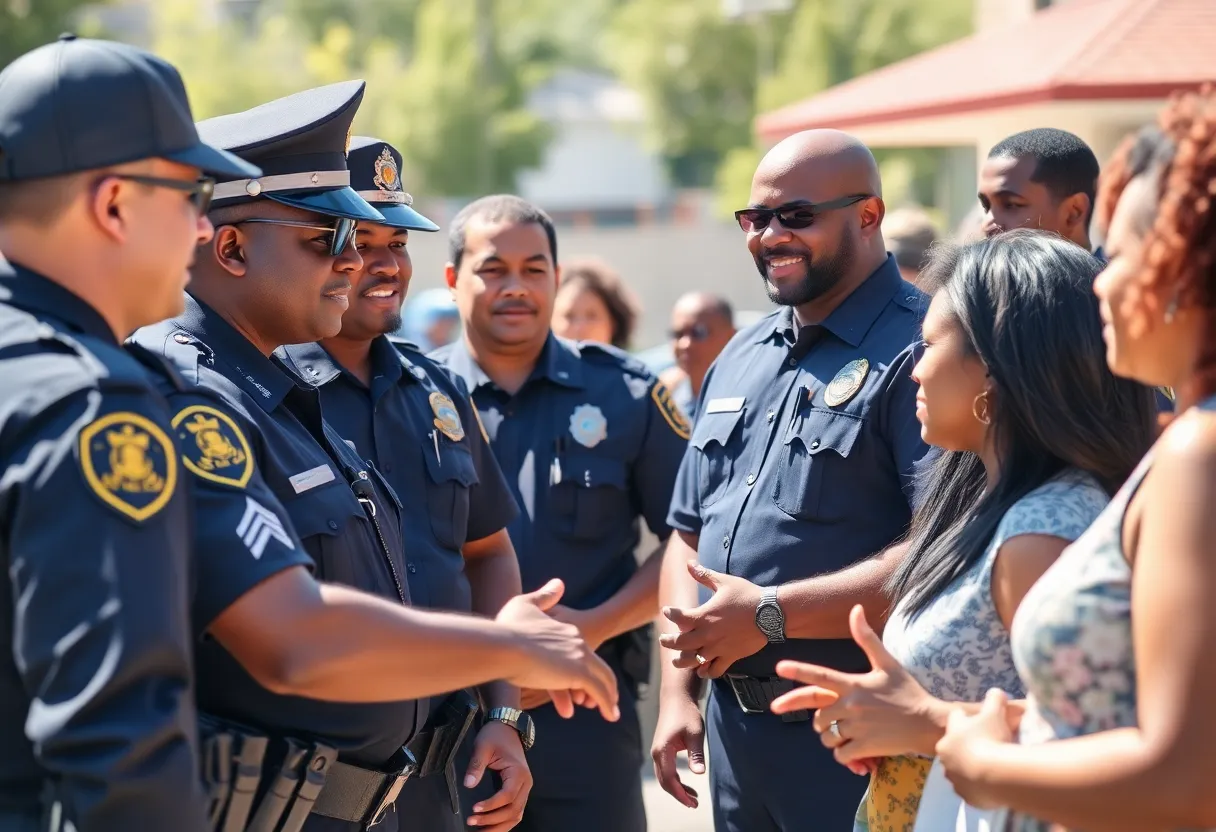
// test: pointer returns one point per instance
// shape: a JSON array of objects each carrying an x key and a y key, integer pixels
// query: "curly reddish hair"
[{"x": 1179, "y": 268}]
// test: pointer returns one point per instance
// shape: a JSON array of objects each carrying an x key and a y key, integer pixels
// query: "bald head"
[
  {"x": 702, "y": 305},
  {"x": 828, "y": 163},
  {"x": 701, "y": 325},
  {"x": 814, "y": 223}
]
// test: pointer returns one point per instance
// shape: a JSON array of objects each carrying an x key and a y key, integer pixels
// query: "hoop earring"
[{"x": 983, "y": 418}]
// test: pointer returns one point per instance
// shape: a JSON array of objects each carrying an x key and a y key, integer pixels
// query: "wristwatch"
[
  {"x": 518, "y": 720},
  {"x": 770, "y": 620}
]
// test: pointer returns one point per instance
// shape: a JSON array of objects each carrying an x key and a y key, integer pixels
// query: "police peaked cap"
[
  {"x": 375, "y": 174},
  {"x": 299, "y": 142}
]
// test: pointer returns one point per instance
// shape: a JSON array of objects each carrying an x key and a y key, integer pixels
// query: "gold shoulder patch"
[
  {"x": 212, "y": 446},
  {"x": 670, "y": 410},
  {"x": 129, "y": 463}
]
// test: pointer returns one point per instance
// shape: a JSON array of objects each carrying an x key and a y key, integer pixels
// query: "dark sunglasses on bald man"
[
  {"x": 794, "y": 215},
  {"x": 342, "y": 229}
]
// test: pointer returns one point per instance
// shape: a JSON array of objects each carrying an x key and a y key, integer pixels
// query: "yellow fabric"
[{"x": 894, "y": 795}]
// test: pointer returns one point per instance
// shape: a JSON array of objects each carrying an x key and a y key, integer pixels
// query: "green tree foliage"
[
  {"x": 25, "y": 24},
  {"x": 444, "y": 85},
  {"x": 826, "y": 43},
  {"x": 697, "y": 74}
]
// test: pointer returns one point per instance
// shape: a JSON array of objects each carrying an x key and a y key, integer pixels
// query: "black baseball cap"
[
  {"x": 375, "y": 174},
  {"x": 299, "y": 142},
  {"x": 78, "y": 104}
]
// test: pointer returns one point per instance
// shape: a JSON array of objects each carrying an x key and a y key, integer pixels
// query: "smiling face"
[
  {"x": 505, "y": 285},
  {"x": 294, "y": 290},
  {"x": 379, "y": 288}
]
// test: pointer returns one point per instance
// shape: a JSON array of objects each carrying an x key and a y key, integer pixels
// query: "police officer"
[
  {"x": 277, "y": 272},
  {"x": 101, "y": 206},
  {"x": 800, "y": 467},
  {"x": 589, "y": 441},
  {"x": 414, "y": 421}
]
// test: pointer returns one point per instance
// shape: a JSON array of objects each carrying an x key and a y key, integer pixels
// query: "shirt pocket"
[
  {"x": 712, "y": 439},
  {"x": 327, "y": 520},
  {"x": 812, "y": 477},
  {"x": 591, "y": 498},
  {"x": 450, "y": 475}
]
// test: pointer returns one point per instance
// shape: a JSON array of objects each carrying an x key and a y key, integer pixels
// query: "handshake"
[{"x": 555, "y": 657}]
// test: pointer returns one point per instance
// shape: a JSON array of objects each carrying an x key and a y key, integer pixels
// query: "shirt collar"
[
  {"x": 316, "y": 367},
  {"x": 260, "y": 377},
  {"x": 852, "y": 319},
  {"x": 559, "y": 362},
  {"x": 33, "y": 292}
]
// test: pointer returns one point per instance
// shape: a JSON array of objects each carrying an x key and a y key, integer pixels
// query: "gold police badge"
[
  {"x": 588, "y": 425},
  {"x": 670, "y": 410},
  {"x": 387, "y": 177},
  {"x": 212, "y": 445},
  {"x": 846, "y": 383},
  {"x": 129, "y": 463},
  {"x": 447, "y": 419}
]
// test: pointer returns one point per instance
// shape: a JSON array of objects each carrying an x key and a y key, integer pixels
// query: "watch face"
[{"x": 769, "y": 619}]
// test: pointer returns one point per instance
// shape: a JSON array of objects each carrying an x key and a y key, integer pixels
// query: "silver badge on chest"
[{"x": 588, "y": 425}]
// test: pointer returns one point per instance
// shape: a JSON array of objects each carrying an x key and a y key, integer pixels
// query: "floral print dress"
[
  {"x": 957, "y": 647},
  {"x": 1072, "y": 637}
]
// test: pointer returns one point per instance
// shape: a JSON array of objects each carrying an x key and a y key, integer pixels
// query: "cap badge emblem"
[{"x": 387, "y": 178}]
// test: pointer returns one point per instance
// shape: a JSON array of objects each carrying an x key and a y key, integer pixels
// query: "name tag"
[
  {"x": 731, "y": 405},
  {"x": 311, "y": 478}
]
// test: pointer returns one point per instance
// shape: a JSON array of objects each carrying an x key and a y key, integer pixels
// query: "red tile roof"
[{"x": 1081, "y": 49}]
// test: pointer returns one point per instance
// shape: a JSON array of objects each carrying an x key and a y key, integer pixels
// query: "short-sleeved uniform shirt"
[
  {"x": 315, "y": 476},
  {"x": 802, "y": 457},
  {"x": 415, "y": 423},
  {"x": 591, "y": 442},
  {"x": 96, "y": 691}
]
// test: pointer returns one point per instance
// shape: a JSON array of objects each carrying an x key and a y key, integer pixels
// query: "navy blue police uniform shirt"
[
  {"x": 802, "y": 459},
  {"x": 97, "y": 567},
  {"x": 283, "y": 425},
  {"x": 416, "y": 424},
  {"x": 591, "y": 442}
]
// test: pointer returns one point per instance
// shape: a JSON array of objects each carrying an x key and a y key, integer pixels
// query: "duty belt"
[{"x": 259, "y": 783}]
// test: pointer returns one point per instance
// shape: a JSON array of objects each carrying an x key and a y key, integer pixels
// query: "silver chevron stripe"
[{"x": 259, "y": 525}]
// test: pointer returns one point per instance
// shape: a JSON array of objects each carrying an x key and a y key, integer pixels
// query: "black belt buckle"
[
  {"x": 756, "y": 695},
  {"x": 392, "y": 788},
  {"x": 745, "y": 693}
]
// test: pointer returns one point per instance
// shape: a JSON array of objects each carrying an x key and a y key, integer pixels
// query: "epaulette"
[
  {"x": 599, "y": 353},
  {"x": 404, "y": 346}
]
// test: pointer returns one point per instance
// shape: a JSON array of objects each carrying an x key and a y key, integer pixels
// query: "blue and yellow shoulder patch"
[
  {"x": 129, "y": 463},
  {"x": 212, "y": 445},
  {"x": 670, "y": 410}
]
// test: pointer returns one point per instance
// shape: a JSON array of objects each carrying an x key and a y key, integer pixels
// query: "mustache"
[
  {"x": 513, "y": 306},
  {"x": 336, "y": 286},
  {"x": 784, "y": 251}
]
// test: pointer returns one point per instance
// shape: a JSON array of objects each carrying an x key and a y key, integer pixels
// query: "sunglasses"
[
  {"x": 199, "y": 191},
  {"x": 793, "y": 216},
  {"x": 343, "y": 230},
  {"x": 696, "y": 332}
]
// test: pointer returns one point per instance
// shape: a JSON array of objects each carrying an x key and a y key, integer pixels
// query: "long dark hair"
[{"x": 1025, "y": 304}]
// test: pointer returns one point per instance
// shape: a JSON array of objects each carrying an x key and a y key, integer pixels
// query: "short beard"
[
  {"x": 819, "y": 278},
  {"x": 391, "y": 324}
]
